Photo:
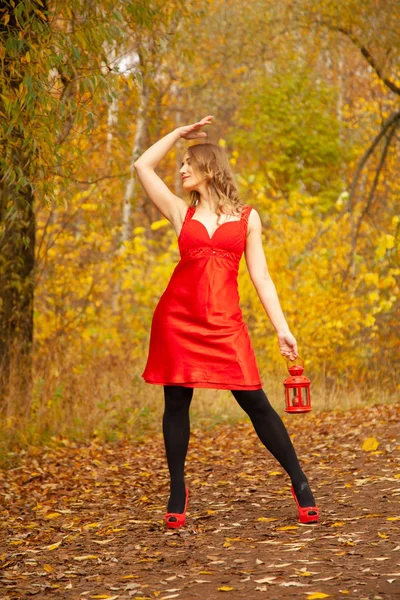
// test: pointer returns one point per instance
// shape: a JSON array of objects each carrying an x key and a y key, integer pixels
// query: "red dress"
[{"x": 198, "y": 337}]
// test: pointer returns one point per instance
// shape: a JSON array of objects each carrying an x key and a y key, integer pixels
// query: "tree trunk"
[
  {"x": 130, "y": 189},
  {"x": 17, "y": 217},
  {"x": 17, "y": 261},
  {"x": 137, "y": 150}
]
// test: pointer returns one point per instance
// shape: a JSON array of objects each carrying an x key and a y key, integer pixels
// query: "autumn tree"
[{"x": 56, "y": 67}]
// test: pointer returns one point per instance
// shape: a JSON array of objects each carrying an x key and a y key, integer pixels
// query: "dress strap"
[
  {"x": 188, "y": 215},
  {"x": 245, "y": 213}
]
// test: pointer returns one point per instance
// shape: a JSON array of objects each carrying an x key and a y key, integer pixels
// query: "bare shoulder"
[{"x": 254, "y": 224}]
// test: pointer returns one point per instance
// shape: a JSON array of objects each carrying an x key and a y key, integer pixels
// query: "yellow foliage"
[
  {"x": 139, "y": 230},
  {"x": 158, "y": 224},
  {"x": 371, "y": 278}
]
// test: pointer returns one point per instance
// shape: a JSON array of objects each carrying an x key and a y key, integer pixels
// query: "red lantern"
[{"x": 297, "y": 390}]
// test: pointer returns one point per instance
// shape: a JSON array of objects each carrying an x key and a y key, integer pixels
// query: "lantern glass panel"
[{"x": 295, "y": 397}]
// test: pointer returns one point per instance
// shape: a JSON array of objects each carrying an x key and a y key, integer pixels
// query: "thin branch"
[
  {"x": 117, "y": 176},
  {"x": 43, "y": 261},
  {"x": 391, "y": 120},
  {"x": 63, "y": 328},
  {"x": 366, "y": 54},
  {"x": 376, "y": 179},
  {"x": 322, "y": 231},
  {"x": 351, "y": 265}
]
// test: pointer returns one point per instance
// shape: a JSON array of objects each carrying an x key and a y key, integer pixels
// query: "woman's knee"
[{"x": 253, "y": 401}]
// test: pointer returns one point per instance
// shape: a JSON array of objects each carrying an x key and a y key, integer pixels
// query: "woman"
[{"x": 198, "y": 336}]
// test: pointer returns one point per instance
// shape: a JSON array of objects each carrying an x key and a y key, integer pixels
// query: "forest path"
[{"x": 88, "y": 521}]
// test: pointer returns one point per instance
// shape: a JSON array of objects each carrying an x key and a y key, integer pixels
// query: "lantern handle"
[{"x": 296, "y": 359}]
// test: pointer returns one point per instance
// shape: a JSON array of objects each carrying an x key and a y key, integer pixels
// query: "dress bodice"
[{"x": 227, "y": 241}]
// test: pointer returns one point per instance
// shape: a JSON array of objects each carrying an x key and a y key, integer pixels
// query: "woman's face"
[{"x": 191, "y": 180}]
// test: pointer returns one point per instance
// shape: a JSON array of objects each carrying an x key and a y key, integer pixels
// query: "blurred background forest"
[{"x": 306, "y": 101}]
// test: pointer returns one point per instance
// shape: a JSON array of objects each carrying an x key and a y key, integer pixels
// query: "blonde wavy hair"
[{"x": 211, "y": 162}]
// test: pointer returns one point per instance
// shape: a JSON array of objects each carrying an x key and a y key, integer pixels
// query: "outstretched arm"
[
  {"x": 265, "y": 287},
  {"x": 159, "y": 193}
]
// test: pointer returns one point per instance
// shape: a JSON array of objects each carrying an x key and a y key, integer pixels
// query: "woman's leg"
[
  {"x": 176, "y": 431},
  {"x": 273, "y": 434}
]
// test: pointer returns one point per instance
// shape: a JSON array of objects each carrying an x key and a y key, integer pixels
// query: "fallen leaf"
[
  {"x": 53, "y": 546},
  {"x": 225, "y": 588},
  {"x": 317, "y": 595},
  {"x": 86, "y": 557},
  {"x": 133, "y": 586},
  {"x": 205, "y": 573},
  {"x": 265, "y": 579},
  {"x": 382, "y": 535},
  {"x": 370, "y": 444},
  {"x": 379, "y": 558},
  {"x": 53, "y": 515},
  {"x": 286, "y": 528}
]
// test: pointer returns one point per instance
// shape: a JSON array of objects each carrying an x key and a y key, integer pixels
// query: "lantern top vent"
[{"x": 296, "y": 370}]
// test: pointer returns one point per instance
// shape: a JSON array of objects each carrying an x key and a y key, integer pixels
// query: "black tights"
[{"x": 267, "y": 424}]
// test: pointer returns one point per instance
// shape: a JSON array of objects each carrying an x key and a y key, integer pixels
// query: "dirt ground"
[{"x": 88, "y": 521}]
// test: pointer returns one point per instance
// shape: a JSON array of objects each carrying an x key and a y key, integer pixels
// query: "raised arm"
[
  {"x": 166, "y": 201},
  {"x": 265, "y": 287}
]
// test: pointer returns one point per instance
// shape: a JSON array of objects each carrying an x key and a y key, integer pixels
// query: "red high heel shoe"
[
  {"x": 307, "y": 514},
  {"x": 180, "y": 517}
]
